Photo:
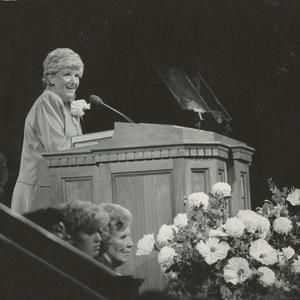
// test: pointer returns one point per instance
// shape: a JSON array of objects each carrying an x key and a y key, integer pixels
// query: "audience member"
[
  {"x": 84, "y": 222},
  {"x": 51, "y": 219},
  {"x": 116, "y": 242}
]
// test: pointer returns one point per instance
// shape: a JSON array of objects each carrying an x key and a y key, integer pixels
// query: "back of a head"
[{"x": 47, "y": 218}]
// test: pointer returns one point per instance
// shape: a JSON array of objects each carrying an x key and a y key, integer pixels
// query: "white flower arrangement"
[
  {"x": 166, "y": 233},
  {"x": 166, "y": 257},
  {"x": 198, "y": 200},
  {"x": 213, "y": 250},
  {"x": 296, "y": 265},
  {"x": 237, "y": 270},
  {"x": 217, "y": 233},
  {"x": 282, "y": 225},
  {"x": 145, "y": 245},
  {"x": 294, "y": 197},
  {"x": 234, "y": 227},
  {"x": 261, "y": 251},
  {"x": 285, "y": 254},
  {"x": 221, "y": 189},
  {"x": 78, "y": 107},
  {"x": 181, "y": 220},
  {"x": 267, "y": 276},
  {"x": 207, "y": 254}
]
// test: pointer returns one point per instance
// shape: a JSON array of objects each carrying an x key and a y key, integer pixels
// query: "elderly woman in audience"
[
  {"x": 84, "y": 222},
  {"x": 116, "y": 242}
]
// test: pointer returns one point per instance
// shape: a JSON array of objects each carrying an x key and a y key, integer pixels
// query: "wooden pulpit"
[{"x": 148, "y": 168}]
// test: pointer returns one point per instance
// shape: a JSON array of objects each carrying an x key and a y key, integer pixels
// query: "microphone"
[{"x": 97, "y": 100}]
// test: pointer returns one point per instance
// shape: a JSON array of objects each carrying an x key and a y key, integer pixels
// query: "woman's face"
[
  {"x": 120, "y": 246},
  {"x": 66, "y": 82},
  {"x": 88, "y": 242}
]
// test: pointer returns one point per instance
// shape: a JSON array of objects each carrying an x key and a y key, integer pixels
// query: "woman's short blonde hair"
[
  {"x": 58, "y": 59},
  {"x": 83, "y": 216}
]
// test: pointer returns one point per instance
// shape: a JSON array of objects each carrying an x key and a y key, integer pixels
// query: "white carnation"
[
  {"x": 198, "y": 200},
  {"x": 145, "y": 245},
  {"x": 181, "y": 220},
  {"x": 250, "y": 219},
  {"x": 234, "y": 227},
  {"x": 166, "y": 257},
  {"x": 288, "y": 252},
  {"x": 285, "y": 254},
  {"x": 222, "y": 189},
  {"x": 267, "y": 276},
  {"x": 282, "y": 225},
  {"x": 254, "y": 222},
  {"x": 166, "y": 233},
  {"x": 78, "y": 107},
  {"x": 263, "y": 226}
]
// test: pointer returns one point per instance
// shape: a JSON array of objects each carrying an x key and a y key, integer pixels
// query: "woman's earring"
[{"x": 51, "y": 84}]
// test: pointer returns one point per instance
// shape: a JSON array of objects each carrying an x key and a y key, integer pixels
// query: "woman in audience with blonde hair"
[
  {"x": 116, "y": 243},
  {"x": 49, "y": 125},
  {"x": 84, "y": 222}
]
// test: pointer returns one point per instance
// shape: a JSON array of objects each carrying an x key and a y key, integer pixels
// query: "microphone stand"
[{"x": 118, "y": 112}]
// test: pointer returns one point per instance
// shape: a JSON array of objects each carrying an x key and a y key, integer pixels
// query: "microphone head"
[{"x": 95, "y": 99}]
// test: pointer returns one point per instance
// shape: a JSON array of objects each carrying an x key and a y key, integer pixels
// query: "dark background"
[{"x": 247, "y": 50}]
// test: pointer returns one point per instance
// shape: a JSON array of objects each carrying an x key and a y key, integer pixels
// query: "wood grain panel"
[
  {"x": 200, "y": 180},
  {"x": 148, "y": 195},
  {"x": 78, "y": 188}
]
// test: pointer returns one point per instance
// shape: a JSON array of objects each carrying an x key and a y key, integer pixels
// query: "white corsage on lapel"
[{"x": 78, "y": 107}]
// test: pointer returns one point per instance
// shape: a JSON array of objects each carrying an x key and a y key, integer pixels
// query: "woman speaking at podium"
[{"x": 51, "y": 122}]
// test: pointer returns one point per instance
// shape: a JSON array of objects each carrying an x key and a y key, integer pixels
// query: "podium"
[{"x": 148, "y": 168}]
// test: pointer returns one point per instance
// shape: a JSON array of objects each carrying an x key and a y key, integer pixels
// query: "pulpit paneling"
[
  {"x": 200, "y": 179},
  {"x": 149, "y": 168},
  {"x": 202, "y": 174},
  {"x": 73, "y": 183},
  {"x": 78, "y": 188},
  {"x": 199, "y": 175},
  {"x": 148, "y": 193},
  {"x": 240, "y": 183}
]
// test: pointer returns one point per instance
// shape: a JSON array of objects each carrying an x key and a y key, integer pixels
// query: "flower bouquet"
[{"x": 207, "y": 254}]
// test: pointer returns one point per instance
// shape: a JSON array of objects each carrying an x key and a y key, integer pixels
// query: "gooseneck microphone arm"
[{"x": 97, "y": 100}]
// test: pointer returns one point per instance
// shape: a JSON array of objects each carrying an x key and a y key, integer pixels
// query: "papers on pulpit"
[{"x": 90, "y": 138}]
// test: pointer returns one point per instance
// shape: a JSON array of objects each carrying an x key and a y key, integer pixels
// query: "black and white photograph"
[{"x": 149, "y": 149}]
